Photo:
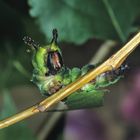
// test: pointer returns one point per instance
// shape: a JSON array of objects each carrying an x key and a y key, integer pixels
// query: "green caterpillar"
[{"x": 50, "y": 75}]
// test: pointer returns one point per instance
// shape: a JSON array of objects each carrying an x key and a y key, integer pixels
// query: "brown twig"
[{"x": 113, "y": 62}]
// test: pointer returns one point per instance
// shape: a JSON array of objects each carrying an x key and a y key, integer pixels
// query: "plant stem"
[
  {"x": 113, "y": 62},
  {"x": 114, "y": 20},
  {"x": 102, "y": 52}
]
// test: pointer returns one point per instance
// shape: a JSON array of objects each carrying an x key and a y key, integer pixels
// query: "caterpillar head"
[
  {"x": 54, "y": 61},
  {"x": 47, "y": 60}
]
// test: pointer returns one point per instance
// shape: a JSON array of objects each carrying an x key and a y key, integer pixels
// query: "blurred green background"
[{"x": 89, "y": 32}]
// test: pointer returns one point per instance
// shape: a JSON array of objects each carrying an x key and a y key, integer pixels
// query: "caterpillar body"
[{"x": 50, "y": 74}]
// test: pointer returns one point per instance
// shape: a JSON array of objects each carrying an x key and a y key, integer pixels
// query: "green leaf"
[
  {"x": 19, "y": 131},
  {"x": 81, "y": 100},
  {"x": 79, "y": 20},
  {"x": 12, "y": 31},
  {"x": 16, "y": 76}
]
